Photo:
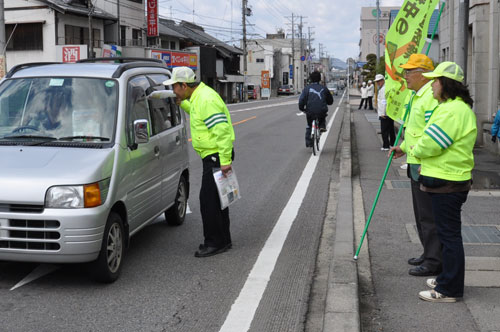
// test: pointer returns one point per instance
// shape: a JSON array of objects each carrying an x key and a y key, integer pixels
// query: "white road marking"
[
  {"x": 244, "y": 307},
  {"x": 300, "y": 113},
  {"x": 265, "y": 106},
  {"x": 40, "y": 271},
  {"x": 188, "y": 210}
]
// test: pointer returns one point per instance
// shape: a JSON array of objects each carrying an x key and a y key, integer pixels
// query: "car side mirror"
[
  {"x": 163, "y": 94},
  {"x": 141, "y": 131}
]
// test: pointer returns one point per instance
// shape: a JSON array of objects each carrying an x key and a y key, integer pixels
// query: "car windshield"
[{"x": 65, "y": 108}]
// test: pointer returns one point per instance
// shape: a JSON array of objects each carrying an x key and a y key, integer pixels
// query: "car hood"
[{"x": 27, "y": 172}]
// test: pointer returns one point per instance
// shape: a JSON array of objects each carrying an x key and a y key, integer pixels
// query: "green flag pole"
[{"x": 408, "y": 107}]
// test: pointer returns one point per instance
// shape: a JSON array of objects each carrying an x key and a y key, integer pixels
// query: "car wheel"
[
  {"x": 176, "y": 213},
  {"x": 108, "y": 265}
]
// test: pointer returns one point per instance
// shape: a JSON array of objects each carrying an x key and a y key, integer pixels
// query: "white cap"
[
  {"x": 181, "y": 74},
  {"x": 369, "y": 81},
  {"x": 379, "y": 77},
  {"x": 364, "y": 83}
]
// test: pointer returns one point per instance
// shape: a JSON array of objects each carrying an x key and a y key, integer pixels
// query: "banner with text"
[
  {"x": 153, "y": 18},
  {"x": 406, "y": 36},
  {"x": 176, "y": 59}
]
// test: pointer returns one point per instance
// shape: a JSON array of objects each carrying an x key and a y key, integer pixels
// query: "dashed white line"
[{"x": 244, "y": 307}]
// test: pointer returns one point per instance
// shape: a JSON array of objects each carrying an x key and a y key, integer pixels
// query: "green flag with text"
[{"x": 407, "y": 35}]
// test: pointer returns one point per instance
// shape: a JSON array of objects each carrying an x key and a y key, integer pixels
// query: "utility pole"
[
  {"x": 293, "y": 53},
  {"x": 118, "y": 42},
  {"x": 243, "y": 22},
  {"x": 91, "y": 40},
  {"x": 378, "y": 33},
  {"x": 3, "y": 64},
  {"x": 309, "y": 55},
  {"x": 301, "y": 83}
]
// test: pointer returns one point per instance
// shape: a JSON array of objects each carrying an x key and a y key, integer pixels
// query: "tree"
[{"x": 370, "y": 66}]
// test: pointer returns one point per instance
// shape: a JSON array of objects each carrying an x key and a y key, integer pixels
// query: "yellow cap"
[
  {"x": 447, "y": 69},
  {"x": 418, "y": 61}
]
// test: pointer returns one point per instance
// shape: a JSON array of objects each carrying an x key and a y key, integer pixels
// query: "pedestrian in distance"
[
  {"x": 314, "y": 101},
  {"x": 370, "y": 93},
  {"x": 422, "y": 105},
  {"x": 445, "y": 150},
  {"x": 364, "y": 95},
  {"x": 212, "y": 138},
  {"x": 386, "y": 123},
  {"x": 495, "y": 128}
]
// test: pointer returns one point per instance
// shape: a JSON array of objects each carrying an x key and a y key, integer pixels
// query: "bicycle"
[{"x": 315, "y": 135}]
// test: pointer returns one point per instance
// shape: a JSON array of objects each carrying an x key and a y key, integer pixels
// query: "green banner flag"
[{"x": 407, "y": 35}]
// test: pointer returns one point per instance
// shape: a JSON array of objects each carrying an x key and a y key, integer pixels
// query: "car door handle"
[{"x": 157, "y": 150}]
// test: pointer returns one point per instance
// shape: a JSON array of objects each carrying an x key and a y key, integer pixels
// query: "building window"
[
  {"x": 136, "y": 37},
  {"x": 123, "y": 35},
  {"x": 172, "y": 45},
  {"x": 74, "y": 35},
  {"x": 26, "y": 37},
  {"x": 259, "y": 60}
]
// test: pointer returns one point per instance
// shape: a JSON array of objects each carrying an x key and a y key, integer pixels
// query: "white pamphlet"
[{"x": 227, "y": 186}]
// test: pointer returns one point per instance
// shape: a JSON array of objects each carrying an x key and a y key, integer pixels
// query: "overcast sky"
[{"x": 336, "y": 22}]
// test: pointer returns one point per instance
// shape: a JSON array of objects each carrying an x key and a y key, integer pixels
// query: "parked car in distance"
[
  {"x": 251, "y": 91},
  {"x": 88, "y": 160},
  {"x": 286, "y": 90},
  {"x": 333, "y": 87}
]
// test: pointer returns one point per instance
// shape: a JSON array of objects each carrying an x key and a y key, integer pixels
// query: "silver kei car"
[{"x": 87, "y": 160}]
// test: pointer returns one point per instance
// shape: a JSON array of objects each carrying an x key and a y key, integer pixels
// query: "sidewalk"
[{"x": 389, "y": 300}]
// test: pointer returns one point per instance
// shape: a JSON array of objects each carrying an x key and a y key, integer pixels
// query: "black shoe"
[
  {"x": 422, "y": 271},
  {"x": 322, "y": 130},
  {"x": 209, "y": 251},
  {"x": 309, "y": 145},
  {"x": 416, "y": 261}
]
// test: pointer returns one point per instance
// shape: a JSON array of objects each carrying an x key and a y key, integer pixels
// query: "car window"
[
  {"x": 165, "y": 113},
  {"x": 137, "y": 106},
  {"x": 59, "y": 108}
]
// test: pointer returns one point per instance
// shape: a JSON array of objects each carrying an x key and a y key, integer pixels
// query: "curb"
[{"x": 342, "y": 300}]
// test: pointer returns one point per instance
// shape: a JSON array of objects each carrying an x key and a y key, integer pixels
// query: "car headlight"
[{"x": 77, "y": 197}]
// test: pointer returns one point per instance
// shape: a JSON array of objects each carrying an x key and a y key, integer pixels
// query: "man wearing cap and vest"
[
  {"x": 422, "y": 104},
  {"x": 386, "y": 123},
  {"x": 212, "y": 138}
]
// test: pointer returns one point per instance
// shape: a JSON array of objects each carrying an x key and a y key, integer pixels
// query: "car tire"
[
  {"x": 176, "y": 214},
  {"x": 108, "y": 265}
]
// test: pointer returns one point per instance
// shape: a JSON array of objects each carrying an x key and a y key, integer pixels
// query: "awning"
[{"x": 235, "y": 78}]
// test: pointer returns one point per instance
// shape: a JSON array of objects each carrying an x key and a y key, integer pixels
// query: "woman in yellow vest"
[{"x": 445, "y": 152}]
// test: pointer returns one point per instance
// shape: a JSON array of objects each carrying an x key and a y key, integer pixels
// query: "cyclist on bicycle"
[{"x": 314, "y": 101}]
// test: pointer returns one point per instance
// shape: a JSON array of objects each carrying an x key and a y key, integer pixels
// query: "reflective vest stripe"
[{"x": 439, "y": 136}]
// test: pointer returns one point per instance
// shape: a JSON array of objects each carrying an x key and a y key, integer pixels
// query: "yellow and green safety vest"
[
  {"x": 423, "y": 104},
  {"x": 210, "y": 122},
  {"x": 445, "y": 148}
]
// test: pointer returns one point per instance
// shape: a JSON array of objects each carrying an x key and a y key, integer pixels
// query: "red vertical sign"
[{"x": 153, "y": 18}]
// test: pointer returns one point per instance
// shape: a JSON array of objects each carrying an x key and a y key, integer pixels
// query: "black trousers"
[
  {"x": 387, "y": 129},
  {"x": 363, "y": 101},
  {"x": 215, "y": 221},
  {"x": 426, "y": 227},
  {"x": 321, "y": 124},
  {"x": 370, "y": 103},
  {"x": 446, "y": 209}
]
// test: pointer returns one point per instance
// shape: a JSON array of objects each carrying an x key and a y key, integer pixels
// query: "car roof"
[{"x": 84, "y": 69}]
